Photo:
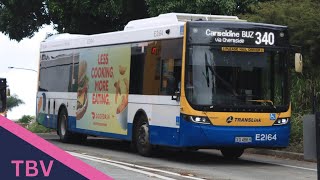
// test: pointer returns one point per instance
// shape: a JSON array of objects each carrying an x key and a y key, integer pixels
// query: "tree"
[
  {"x": 224, "y": 7},
  {"x": 13, "y": 101},
  {"x": 26, "y": 119},
  {"x": 20, "y": 19}
]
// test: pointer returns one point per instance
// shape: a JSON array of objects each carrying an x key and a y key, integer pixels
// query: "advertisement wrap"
[{"x": 103, "y": 88}]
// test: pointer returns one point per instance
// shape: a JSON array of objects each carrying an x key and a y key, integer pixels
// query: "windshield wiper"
[
  {"x": 264, "y": 101},
  {"x": 211, "y": 68},
  {"x": 207, "y": 65}
]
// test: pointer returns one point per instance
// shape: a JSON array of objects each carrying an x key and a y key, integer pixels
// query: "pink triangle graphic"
[{"x": 53, "y": 151}]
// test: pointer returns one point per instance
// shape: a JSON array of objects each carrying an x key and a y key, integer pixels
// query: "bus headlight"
[
  {"x": 281, "y": 121},
  {"x": 198, "y": 119}
]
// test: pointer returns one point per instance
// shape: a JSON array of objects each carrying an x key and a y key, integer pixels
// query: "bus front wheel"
[
  {"x": 232, "y": 153},
  {"x": 142, "y": 142}
]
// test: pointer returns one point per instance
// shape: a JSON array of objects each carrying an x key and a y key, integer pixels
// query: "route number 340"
[
  {"x": 266, "y": 137},
  {"x": 266, "y": 38}
]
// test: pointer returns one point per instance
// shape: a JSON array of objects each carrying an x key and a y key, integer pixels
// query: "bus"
[{"x": 177, "y": 80}]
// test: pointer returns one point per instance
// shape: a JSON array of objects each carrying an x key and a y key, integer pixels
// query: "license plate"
[{"x": 243, "y": 139}]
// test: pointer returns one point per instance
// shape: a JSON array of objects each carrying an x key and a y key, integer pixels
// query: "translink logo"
[{"x": 229, "y": 119}]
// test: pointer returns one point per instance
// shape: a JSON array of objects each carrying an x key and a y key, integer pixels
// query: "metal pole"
[
  {"x": 314, "y": 106},
  {"x": 23, "y": 69},
  {"x": 318, "y": 143},
  {"x": 314, "y": 100}
]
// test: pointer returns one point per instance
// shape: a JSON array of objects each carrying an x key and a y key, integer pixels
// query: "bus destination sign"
[
  {"x": 247, "y": 35},
  {"x": 234, "y": 37}
]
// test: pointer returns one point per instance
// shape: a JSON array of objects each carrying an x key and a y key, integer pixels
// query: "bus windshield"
[{"x": 230, "y": 79}]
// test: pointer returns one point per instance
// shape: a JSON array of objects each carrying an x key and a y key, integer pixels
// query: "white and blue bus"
[{"x": 178, "y": 80}]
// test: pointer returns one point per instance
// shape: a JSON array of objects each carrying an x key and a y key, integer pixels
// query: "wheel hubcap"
[
  {"x": 143, "y": 138},
  {"x": 63, "y": 124}
]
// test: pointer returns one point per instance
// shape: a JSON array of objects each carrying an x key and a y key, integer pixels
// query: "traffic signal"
[
  {"x": 3, "y": 94},
  {"x": 3, "y": 83}
]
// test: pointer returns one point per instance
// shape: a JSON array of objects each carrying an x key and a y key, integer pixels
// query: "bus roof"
[
  {"x": 175, "y": 19},
  {"x": 164, "y": 26}
]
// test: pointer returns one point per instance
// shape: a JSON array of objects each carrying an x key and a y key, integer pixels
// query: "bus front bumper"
[{"x": 201, "y": 135}]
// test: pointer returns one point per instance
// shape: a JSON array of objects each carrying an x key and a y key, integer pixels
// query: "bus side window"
[
  {"x": 75, "y": 71},
  {"x": 136, "y": 70},
  {"x": 75, "y": 77},
  {"x": 56, "y": 73}
]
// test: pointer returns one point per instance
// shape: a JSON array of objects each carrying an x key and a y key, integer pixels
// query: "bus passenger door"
[{"x": 166, "y": 110}]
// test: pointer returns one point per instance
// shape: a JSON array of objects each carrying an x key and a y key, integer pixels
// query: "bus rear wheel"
[
  {"x": 232, "y": 153},
  {"x": 64, "y": 134},
  {"x": 141, "y": 138}
]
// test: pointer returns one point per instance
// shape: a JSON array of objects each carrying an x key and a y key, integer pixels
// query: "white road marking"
[
  {"x": 284, "y": 165},
  {"x": 296, "y": 167},
  {"x": 132, "y": 167},
  {"x": 122, "y": 166}
]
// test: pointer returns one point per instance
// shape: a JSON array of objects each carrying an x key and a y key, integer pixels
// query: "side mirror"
[
  {"x": 176, "y": 96},
  {"x": 298, "y": 63}
]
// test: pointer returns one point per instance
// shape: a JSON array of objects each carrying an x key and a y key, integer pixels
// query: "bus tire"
[
  {"x": 232, "y": 153},
  {"x": 64, "y": 134},
  {"x": 141, "y": 137}
]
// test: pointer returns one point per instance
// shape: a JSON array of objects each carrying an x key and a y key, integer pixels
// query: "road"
[{"x": 116, "y": 159}]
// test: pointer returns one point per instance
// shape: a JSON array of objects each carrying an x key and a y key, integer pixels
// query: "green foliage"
[
  {"x": 84, "y": 16},
  {"x": 224, "y": 7},
  {"x": 20, "y": 19},
  {"x": 13, "y": 101},
  {"x": 26, "y": 119},
  {"x": 38, "y": 128}
]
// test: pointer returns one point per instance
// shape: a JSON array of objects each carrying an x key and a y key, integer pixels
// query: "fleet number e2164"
[{"x": 266, "y": 137}]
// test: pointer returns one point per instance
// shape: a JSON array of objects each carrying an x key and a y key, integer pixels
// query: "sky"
[{"x": 23, "y": 83}]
